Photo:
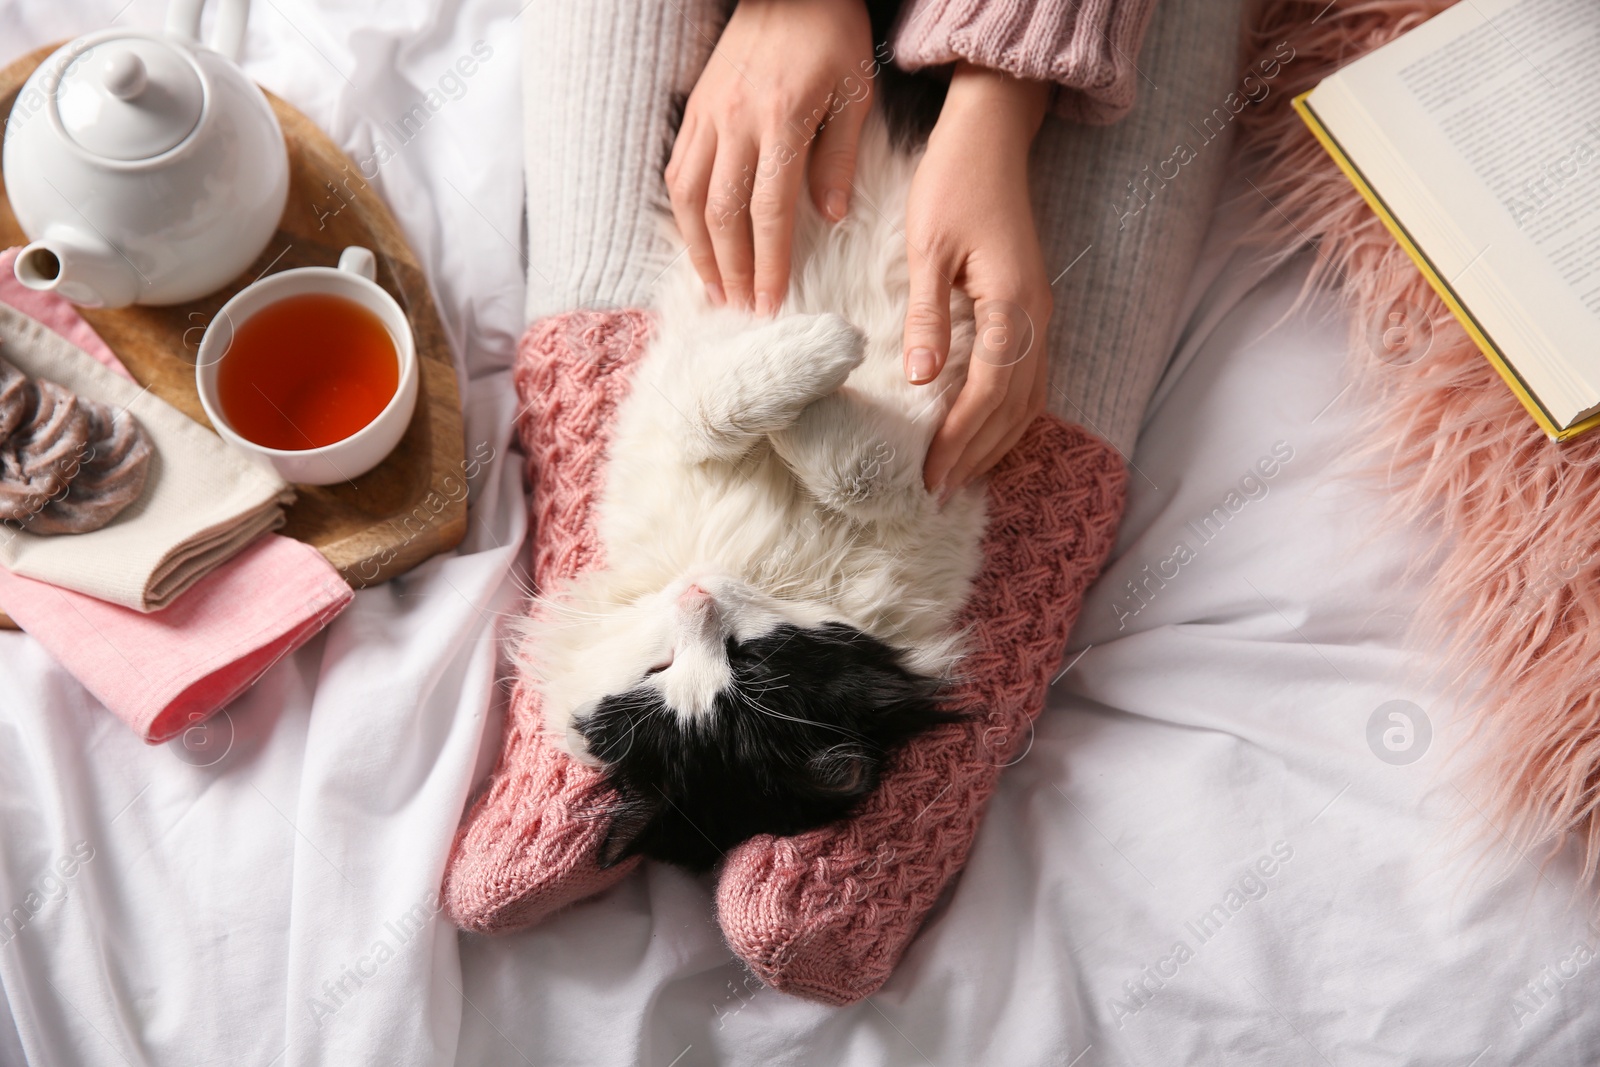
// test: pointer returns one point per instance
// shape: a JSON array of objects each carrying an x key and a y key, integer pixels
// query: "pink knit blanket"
[
  {"x": 825, "y": 914},
  {"x": 1513, "y": 598}
]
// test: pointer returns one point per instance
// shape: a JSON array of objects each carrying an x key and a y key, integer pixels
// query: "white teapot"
[{"x": 153, "y": 172}]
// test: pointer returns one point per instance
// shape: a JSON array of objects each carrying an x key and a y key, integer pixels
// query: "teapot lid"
[{"x": 130, "y": 98}]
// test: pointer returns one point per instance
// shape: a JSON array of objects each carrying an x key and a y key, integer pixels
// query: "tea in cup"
[{"x": 313, "y": 370}]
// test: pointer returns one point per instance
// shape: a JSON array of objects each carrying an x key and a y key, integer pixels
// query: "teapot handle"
[{"x": 183, "y": 20}]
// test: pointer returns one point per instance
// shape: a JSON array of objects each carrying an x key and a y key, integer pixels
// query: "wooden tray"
[{"x": 411, "y": 506}]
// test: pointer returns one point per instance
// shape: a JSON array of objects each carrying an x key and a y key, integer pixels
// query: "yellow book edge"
[{"x": 1490, "y": 351}]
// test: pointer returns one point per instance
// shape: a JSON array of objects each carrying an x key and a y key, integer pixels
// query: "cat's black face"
[{"x": 796, "y": 738}]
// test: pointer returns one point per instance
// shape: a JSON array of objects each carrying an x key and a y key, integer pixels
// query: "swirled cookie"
[
  {"x": 42, "y": 454},
  {"x": 67, "y": 465},
  {"x": 110, "y": 477}
]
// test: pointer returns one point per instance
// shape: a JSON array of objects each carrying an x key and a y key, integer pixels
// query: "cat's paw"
[
  {"x": 761, "y": 380},
  {"x": 821, "y": 351},
  {"x": 851, "y": 458},
  {"x": 792, "y": 362}
]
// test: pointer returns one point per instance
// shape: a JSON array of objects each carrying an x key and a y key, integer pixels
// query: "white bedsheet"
[{"x": 1213, "y": 727}]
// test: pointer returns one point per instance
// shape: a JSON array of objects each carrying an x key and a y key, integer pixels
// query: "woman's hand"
[
  {"x": 781, "y": 69},
  {"x": 969, "y": 224}
]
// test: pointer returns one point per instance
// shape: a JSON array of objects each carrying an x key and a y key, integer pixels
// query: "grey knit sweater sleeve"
[{"x": 1085, "y": 47}]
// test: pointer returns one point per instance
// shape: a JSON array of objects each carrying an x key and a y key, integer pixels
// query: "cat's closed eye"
[{"x": 843, "y": 769}]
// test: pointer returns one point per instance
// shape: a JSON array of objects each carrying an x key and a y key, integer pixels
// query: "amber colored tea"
[{"x": 306, "y": 371}]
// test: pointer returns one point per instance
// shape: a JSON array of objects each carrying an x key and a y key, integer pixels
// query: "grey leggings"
[{"x": 1121, "y": 209}]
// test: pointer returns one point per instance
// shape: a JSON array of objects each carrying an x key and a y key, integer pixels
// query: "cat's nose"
[{"x": 692, "y": 595}]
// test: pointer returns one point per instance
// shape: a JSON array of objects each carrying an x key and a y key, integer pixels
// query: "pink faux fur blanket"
[{"x": 1513, "y": 598}]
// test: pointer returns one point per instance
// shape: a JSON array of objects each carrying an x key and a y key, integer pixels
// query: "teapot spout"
[{"x": 85, "y": 272}]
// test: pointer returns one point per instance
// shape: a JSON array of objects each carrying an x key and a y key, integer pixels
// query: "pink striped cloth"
[{"x": 165, "y": 671}]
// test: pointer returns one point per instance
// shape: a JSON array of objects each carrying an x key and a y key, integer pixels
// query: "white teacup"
[{"x": 361, "y": 451}]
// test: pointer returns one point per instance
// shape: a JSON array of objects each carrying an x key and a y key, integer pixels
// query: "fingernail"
[
  {"x": 838, "y": 204},
  {"x": 714, "y": 294},
  {"x": 941, "y": 493},
  {"x": 921, "y": 364},
  {"x": 763, "y": 305}
]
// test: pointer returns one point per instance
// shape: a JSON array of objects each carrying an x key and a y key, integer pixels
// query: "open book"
[{"x": 1476, "y": 138}]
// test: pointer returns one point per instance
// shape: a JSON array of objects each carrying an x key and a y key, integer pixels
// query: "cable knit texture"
[
  {"x": 1086, "y": 47},
  {"x": 828, "y": 914},
  {"x": 528, "y": 846},
  {"x": 825, "y": 914}
]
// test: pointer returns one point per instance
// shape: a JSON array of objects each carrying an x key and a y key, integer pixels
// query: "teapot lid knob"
[
  {"x": 123, "y": 75},
  {"x": 132, "y": 97}
]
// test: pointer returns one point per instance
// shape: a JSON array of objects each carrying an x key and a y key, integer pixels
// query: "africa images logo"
[
  {"x": 1141, "y": 590},
  {"x": 1399, "y": 732},
  {"x": 1252, "y": 885}
]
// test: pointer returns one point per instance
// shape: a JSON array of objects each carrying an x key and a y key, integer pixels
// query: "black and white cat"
[{"x": 775, "y": 612}]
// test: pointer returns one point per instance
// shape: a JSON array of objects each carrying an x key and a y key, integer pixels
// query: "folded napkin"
[
  {"x": 163, "y": 671},
  {"x": 202, "y": 503}
]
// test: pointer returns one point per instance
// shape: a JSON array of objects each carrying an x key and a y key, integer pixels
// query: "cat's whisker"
[
  {"x": 558, "y": 607},
  {"x": 565, "y": 608},
  {"x": 748, "y": 699}
]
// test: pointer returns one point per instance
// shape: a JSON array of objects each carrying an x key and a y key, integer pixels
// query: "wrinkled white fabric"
[{"x": 257, "y": 893}]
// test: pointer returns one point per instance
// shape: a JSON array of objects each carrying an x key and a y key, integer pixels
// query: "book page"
[
  {"x": 1517, "y": 97},
  {"x": 1476, "y": 131}
]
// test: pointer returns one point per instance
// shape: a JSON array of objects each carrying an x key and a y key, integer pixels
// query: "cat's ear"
[{"x": 631, "y": 820}]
